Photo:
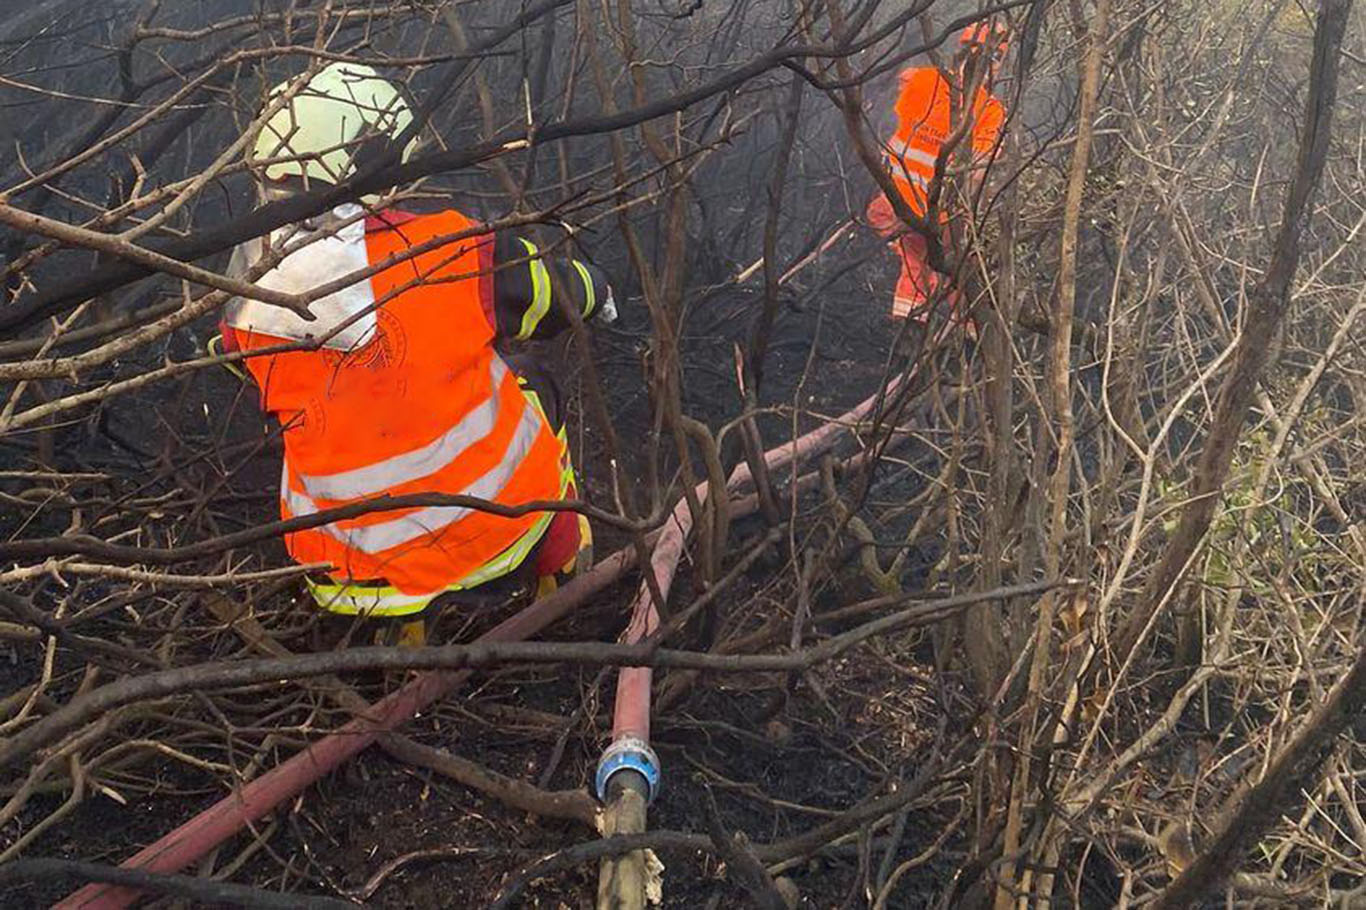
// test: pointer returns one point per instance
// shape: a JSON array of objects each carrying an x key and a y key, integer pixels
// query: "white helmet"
[{"x": 344, "y": 104}]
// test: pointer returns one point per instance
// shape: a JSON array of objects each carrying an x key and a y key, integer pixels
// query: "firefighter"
[
  {"x": 926, "y": 121},
  {"x": 405, "y": 388}
]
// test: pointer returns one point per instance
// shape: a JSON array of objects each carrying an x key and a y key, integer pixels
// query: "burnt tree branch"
[{"x": 1267, "y": 306}]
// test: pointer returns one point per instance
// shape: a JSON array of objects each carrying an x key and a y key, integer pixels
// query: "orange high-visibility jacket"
[
  {"x": 413, "y": 399},
  {"x": 924, "y": 124}
]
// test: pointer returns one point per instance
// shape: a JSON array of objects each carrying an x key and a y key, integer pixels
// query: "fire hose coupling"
[{"x": 629, "y": 753}]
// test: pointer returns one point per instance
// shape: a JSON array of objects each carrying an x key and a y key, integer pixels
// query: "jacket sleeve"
[
  {"x": 882, "y": 217},
  {"x": 986, "y": 132},
  {"x": 525, "y": 284}
]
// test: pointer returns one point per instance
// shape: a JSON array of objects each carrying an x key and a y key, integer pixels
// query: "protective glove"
[{"x": 608, "y": 307}]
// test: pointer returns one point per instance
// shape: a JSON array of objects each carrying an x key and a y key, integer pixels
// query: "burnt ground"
[{"x": 776, "y": 761}]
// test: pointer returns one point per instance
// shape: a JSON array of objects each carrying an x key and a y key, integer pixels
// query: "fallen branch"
[
  {"x": 742, "y": 865},
  {"x": 189, "y": 887},
  {"x": 575, "y": 805},
  {"x": 82, "y": 545},
  {"x": 150, "y": 259},
  {"x": 587, "y": 852},
  {"x": 373, "y": 883},
  {"x": 486, "y": 652},
  {"x": 192, "y": 840}
]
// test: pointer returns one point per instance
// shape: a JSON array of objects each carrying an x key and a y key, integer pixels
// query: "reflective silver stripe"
[
  {"x": 917, "y": 155},
  {"x": 382, "y": 476},
  {"x": 540, "y": 292},
  {"x": 359, "y": 600},
  {"x": 377, "y": 538},
  {"x": 913, "y": 178},
  {"x": 900, "y": 170}
]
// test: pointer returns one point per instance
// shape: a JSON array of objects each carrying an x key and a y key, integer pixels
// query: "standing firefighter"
[
  {"x": 931, "y": 123},
  {"x": 405, "y": 393}
]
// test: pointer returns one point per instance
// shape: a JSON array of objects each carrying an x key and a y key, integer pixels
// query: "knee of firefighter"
[{"x": 564, "y": 542}]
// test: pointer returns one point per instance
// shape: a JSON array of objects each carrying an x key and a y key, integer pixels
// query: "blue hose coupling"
[{"x": 628, "y": 754}]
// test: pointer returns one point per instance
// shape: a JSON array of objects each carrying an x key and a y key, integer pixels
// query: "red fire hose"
[
  {"x": 199, "y": 835},
  {"x": 630, "y": 749}
]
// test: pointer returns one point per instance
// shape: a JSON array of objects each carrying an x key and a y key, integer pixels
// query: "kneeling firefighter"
[{"x": 407, "y": 391}]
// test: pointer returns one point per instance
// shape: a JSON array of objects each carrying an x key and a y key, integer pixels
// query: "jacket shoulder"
[{"x": 429, "y": 223}]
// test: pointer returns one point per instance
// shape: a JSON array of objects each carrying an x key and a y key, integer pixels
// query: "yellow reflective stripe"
[
  {"x": 590, "y": 296},
  {"x": 533, "y": 398},
  {"x": 215, "y": 347},
  {"x": 540, "y": 292},
  {"x": 509, "y": 559},
  {"x": 566, "y": 473},
  {"x": 364, "y": 600},
  {"x": 514, "y": 555}
]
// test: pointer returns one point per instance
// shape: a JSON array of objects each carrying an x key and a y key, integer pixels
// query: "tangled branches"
[{"x": 1129, "y": 515}]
